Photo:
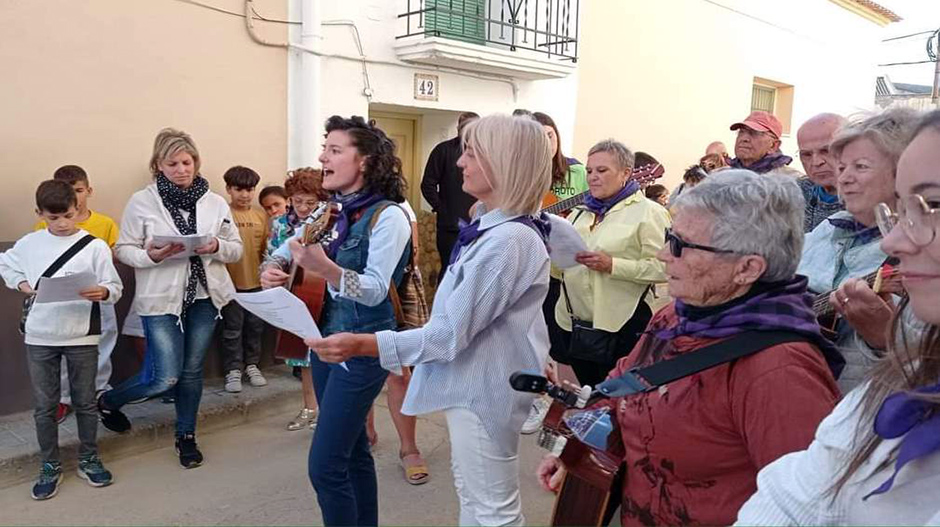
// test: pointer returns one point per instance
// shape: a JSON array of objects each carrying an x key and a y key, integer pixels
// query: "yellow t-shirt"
[
  {"x": 253, "y": 228},
  {"x": 98, "y": 225}
]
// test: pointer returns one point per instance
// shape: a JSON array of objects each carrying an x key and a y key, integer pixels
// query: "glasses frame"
[
  {"x": 677, "y": 244},
  {"x": 887, "y": 220}
]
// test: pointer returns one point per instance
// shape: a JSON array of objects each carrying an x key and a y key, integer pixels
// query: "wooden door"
[{"x": 402, "y": 130}]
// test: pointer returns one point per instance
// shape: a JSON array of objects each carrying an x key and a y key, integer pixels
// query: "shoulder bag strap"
[
  {"x": 564, "y": 289},
  {"x": 649, "y": 378},
  {"x": 392, "y": 289}
]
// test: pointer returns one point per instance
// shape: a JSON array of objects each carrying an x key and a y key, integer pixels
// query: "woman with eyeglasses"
[
  {"x": 607, "y": 295},
  {"x": 846, "y": 245},
  {"x": 692, "y": 448},
  {"x": 876, "y": 459}
]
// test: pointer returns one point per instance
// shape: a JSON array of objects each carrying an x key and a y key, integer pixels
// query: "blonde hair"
[
  {"x": 516, "y": 157},
  {"x": 170, "y": 142},
  {"x": 890, "y": 130}
]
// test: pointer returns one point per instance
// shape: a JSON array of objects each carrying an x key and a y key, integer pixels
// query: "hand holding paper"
[
  {"x": 189, "y": 242},
  {"x": 65, "y": 288},
  {"x": 564, "y": 243}
]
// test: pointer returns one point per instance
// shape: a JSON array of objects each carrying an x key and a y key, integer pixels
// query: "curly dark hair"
[{"x": 382, "y": 172}]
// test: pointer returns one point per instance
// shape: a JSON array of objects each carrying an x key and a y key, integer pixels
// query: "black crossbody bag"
[{"x": 94, "y": 326}]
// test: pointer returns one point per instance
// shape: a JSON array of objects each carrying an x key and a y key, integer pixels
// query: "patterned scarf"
[
  {"x": 785, "y": 306},
  {"x": 765, "y": 164},
  {"x": 175, "y": 200},
  {"x": 469, "y": 232},
  {"x": 863, "y": 235},
  {"x": 600, "y": 206},
  {"x": 903, "y": 413},
  {"x": 351, "y": 204}
]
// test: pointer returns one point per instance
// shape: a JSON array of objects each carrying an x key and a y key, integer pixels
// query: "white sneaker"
[
  {"x": 536, "y": 414},
  {"x": 254, "y": 376},
  {"x": 233, "y": 381}
]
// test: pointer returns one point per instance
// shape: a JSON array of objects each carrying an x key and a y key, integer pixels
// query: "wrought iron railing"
[{"x": 547, "y": 27}]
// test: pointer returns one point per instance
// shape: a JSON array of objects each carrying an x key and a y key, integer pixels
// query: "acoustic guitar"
[
  {"x": 883, "y": 279},
  {"x": 643, "y": 175},
  {"x": 311, "y": 289}
]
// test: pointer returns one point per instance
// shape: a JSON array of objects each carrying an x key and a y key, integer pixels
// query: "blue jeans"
[
  {"x": 340, "y": 464},
  {"x": 174, "y": 359}
]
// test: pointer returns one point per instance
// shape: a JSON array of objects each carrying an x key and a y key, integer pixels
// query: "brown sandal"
[{"x": 415, "y": 468}]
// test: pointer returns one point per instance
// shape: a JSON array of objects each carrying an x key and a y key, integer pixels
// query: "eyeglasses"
[
  {"x": 917, "y": 218},
  {"x": 676, "y": 244},
  {"x": 305, "y": 203}
]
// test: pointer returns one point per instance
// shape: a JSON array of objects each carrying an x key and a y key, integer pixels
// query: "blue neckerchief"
[
  {"x": 469, "y": 232},
  {"x": 903, "y": 414},
  {"x": 863, "y": 235},
  {"x": 601, "y": 206},
  {"x": 351, "y": 204},
  {"x": 823, "y": 196}
]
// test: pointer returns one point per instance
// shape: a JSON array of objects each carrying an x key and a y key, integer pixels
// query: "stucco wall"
[
  {"x": 670, "y": 76},
  {"x": 91, "y": 83}
]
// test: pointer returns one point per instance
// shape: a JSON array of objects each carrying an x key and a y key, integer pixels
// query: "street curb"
[{"x": 154, "y": 424}]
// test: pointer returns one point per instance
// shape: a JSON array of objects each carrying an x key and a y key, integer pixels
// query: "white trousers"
[
  {"x": 109, "y": 336},
  {"x": 487, "y": 480}
]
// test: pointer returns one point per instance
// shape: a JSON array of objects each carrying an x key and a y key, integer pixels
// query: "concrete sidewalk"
[{"x": 153, "y": 424}]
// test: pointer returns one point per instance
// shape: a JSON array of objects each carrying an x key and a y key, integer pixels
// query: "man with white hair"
[{"x": 819, "y": 185}]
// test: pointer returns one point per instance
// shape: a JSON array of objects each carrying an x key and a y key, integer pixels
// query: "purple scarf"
[
  {"x": 863, "y": 235},
  {"x": 785, "y": 306},
  {"x": 351, "y": 204},
  {"x": 902, "y": 413},
  {"x": 765, "y": 164},
  {"x": 469, "y": 232},
  {"x": 600, "y": 206}
]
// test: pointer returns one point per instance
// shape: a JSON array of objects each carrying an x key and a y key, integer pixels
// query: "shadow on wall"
[{"x": 15, "y": 388}]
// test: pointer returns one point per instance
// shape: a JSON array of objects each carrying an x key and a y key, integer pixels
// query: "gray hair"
[
  {"x": 890, "y": 130},
  {"x": 622, "y": 155},
  {"x": 753, "y": 214}
]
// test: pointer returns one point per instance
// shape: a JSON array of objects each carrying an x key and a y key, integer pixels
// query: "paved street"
[{"x": 256, "y": 474}]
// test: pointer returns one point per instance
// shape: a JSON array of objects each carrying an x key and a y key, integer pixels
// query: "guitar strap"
[{"x": 649, "y": 378}]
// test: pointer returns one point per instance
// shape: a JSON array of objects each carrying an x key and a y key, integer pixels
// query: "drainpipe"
[{"x": 304, "y": 122}]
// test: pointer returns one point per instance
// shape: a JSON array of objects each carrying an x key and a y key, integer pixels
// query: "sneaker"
[
  {"x": 113, "y": 420},
  {"x": 91, "y": 470},
  {"x": 62, "y": 412},
  {"x": 168, "y": 399},
  {"x": 536, "y": 414},
  {"x": 50, "y": 474},
  {"x": 138, "y": 401},
  {"x": 306, "y": 418},
  {"x": 190, "y": 456},
  {"x": 296, "y": 373},
  {"x": 254, "y": 376},
  {"x": 233, "y": 381}
]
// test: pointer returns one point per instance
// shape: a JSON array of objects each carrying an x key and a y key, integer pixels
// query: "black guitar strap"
[{"x": 649, "y": 378}]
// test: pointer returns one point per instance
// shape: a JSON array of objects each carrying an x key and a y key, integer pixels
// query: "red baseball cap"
[{"x": 761, "y": 122}]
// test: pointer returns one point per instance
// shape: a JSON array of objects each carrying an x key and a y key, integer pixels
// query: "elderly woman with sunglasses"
[
  {"x": 876, "y": 459},
  {"x": 845, "y": 247},
  {"x": 693, "y": 447}
]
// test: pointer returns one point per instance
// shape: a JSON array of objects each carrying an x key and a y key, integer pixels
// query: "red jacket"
[{"x": 694, "y": 447}]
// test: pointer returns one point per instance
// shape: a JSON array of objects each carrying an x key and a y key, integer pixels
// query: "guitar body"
[
  {"x": 311, "y": 290},
  {"x": 590, "y": 490}
]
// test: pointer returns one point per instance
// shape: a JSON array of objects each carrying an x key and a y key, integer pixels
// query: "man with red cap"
[{"x": 757, "y": 147}]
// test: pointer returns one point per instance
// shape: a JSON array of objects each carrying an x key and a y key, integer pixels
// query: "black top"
[{"x": 442, "y": 183}]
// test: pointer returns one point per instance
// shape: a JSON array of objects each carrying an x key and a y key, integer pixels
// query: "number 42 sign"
[{"x": 426, "y": 87}]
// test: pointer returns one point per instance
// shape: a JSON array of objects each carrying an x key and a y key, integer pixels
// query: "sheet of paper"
[
  {"x": 280, "y": 308},
  {"x": 64, "y": 288},
  {"x": 189, "y": 241},
  {"x": 564, "y": 242}
]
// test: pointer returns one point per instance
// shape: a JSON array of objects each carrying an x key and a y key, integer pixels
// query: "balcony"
[{"x": 526, "y": 39}]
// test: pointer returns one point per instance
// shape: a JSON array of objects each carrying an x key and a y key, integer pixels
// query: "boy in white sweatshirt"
[{"x": 69, "y": 329}]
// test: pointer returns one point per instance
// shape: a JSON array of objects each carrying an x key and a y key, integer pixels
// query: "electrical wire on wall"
[{"x": 932, "y": 49}]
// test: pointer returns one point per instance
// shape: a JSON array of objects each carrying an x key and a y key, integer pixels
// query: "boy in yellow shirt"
[
  {"x": 242, "y": 331},
  {"x": 105, "y": 229}
]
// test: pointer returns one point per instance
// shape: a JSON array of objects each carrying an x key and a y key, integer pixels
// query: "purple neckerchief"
[
  {"x": 469, "y": 232},
  {"x": 765, "y": 164},
  {"x": 904, "y": 414},
  {"x": 600, "y": 206},
  {"x": 787, "y": 307},
  {"x": 862, "y": 234},
  {"x": 351, "y": 204},
  {"x": 572, "y": 161},
  {"x": 292, "y": 220}
]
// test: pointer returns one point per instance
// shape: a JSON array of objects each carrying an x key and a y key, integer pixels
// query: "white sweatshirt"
[
  {"x": 160, "y": 286},
  {"x": 59, "y": 323}
]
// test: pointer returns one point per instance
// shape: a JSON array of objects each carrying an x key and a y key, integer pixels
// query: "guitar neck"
[
  {"x": 566, "y": 204},
  {"x": 821, "y": 305}
]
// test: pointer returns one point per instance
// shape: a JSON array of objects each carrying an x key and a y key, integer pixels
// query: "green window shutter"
[
  {"x": 762, "y": 98},
  {"x": 456, "y": 19}
]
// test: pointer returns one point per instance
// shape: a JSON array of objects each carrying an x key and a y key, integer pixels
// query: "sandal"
[{"x": 415, "y": 468}]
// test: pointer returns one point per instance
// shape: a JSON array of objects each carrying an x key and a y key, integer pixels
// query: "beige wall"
[
  {"x": 670, "y": 76},
  {"x": 91, "y": 82}
]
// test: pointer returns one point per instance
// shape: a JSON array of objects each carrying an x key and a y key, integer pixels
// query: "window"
[
  {"x": 457, "y": 19},
  {"x": 773, "y": 97}
]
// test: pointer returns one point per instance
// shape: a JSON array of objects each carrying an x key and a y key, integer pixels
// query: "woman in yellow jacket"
[{"x": 604, "y": 300}]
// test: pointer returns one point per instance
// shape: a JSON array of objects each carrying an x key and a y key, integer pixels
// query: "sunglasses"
[{"x": 676, "y": 244}]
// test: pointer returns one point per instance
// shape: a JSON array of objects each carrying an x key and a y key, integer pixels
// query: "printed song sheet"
[
  {"x": 564, "y": 243},
  {"x": 189, "y": 241},
  {"x": 64, "y": 288}
]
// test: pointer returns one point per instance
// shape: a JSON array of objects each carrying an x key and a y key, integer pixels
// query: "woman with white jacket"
[{"x": 178, "y": 297}]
